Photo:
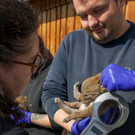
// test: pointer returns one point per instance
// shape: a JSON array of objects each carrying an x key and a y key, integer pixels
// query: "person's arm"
[
  {"x": 56, "y": 86},
  {"x": 40, "y": 120},
  {"x": 33, "y": 118},
  {"x": 115, "y": 78},
  {"x": 58, "y": 118},
  {"x": 75, "y": 127}
]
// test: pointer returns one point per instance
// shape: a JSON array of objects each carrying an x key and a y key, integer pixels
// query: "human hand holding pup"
[
  {"x": 115, "y": 78},
  {"x": 24, "y": 119},
  {"x": 33, "y": 118}
]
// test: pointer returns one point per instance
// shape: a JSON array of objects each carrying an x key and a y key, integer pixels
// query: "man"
[{"x": 106, "y": 38}]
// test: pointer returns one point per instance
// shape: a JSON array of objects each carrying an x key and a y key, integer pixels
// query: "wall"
[
  {"x": 58, "y": 18},
  {"x": 130, "y": 10}
]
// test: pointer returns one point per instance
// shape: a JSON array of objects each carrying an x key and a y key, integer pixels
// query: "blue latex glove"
[
  {"x": 80, "y": 125},
  {"x": 25, "y": 119},
  {"x": 117, "y": 78}
]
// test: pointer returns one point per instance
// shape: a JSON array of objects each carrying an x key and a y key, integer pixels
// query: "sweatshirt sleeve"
[{"x": 55, "y": 84}]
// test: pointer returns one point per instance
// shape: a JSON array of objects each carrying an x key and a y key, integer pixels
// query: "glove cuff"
[
  {"x": 74, "y": 129},
  {"x": 27, "y": 117},
  {"x": 132, "y": 73}
]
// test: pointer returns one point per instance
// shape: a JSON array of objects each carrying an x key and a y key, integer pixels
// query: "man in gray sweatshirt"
[{"x": 106, "y": 38}]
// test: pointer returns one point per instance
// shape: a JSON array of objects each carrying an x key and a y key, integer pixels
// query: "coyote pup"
[
  {"x": 91, "y": 88},
  {"x": 22, "y": 102}
]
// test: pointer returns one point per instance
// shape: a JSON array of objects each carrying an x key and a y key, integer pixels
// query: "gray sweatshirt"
[{"x": 79, "y": 57}]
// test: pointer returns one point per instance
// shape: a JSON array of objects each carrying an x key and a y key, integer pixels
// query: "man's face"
[{"x": 102, "y": 19}]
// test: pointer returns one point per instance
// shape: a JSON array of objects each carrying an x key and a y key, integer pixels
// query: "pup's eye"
[
  {"x": 86, "y": 95},
  {"x": 99, "y": 83}
]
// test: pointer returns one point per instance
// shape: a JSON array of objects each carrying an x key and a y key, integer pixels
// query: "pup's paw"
[
  {"x": 66, "y": 103},
  {"x": 66, "y": 120},
  {"x": 57, "y": 100},
  {"x": 76, "y": 85}
]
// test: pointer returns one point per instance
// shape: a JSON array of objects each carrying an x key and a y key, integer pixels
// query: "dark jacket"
[
  {"x": 33, "y": 89},
  {"x": 33, "y": 92}
]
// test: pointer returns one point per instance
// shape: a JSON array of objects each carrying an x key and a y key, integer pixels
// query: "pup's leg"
[
  {"x": 76, "y": 91},
  {"x": 75, "y": 105},
  {"x": 66, "y": 108},
  {"x": 87, "y": 112}
]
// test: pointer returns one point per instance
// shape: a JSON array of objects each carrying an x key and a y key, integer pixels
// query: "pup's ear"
[
  {"x": 99, "y": 82},
  {"x": 97, "y": 78}
]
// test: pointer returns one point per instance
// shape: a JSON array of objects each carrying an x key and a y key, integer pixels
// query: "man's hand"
[
  {"x": 24, "y": 119},
  {"x": 117, "y": 78}
]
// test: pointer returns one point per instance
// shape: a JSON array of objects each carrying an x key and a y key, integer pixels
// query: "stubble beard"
[
  {"x": 106, "y": 36},
  {"x": 103, "y": 38}
]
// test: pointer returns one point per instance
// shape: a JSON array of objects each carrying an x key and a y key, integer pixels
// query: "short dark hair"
[{"x": 17, "y": 21}]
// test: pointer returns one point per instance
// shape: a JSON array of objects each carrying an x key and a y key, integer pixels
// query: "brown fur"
[
  {"x": 22, "y": 102},
  {"x": 91, "y": 88}
]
